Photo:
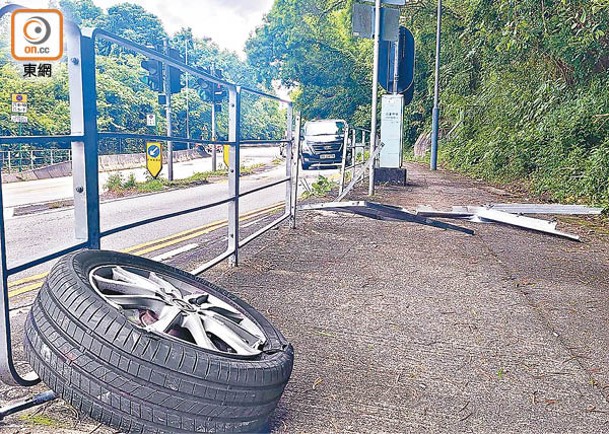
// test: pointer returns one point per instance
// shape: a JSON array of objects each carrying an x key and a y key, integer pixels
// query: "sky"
[{"x": 227, "y": 22}]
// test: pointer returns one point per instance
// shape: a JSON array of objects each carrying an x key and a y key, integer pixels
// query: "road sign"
[
  {"x": 154, "y": 158},
  {"x": 392, "y": 129},
  {"x": 19, "y": 119},
  {"x": 19, "y": 97},
  {"x": 19, "y": 107},
  {"x": 225, "y": 155},
  {"x": 406, "y": 59},
  {"x": 363, "y": 22},
  {"x": 151, "y": 120}
]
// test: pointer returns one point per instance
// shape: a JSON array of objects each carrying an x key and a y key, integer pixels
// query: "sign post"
[
  {"x": 154, "y": 158},
  {"x": 19, "y": 106},
  {"x": 150, "y": 120}
]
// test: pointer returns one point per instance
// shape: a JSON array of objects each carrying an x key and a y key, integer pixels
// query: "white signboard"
[
  {"x": 151, "y": 120},
  {"x": 392, "y": 128},
  {"x": 19, "y": 119},
  {"x": 19, "y": 107}
]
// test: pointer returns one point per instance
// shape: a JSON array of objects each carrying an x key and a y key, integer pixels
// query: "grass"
[
  {"x": 119, "y": 185},
  {"x": 320, "y": 188},
  {"x": 41, "y": 420}
]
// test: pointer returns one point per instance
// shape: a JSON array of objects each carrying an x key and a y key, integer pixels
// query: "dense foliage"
[
  {"x": 124, "y": 98},
  {"x": 525, "y": 80}
]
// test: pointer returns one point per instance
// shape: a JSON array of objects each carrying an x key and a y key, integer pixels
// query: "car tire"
[{"x": 85, "y": 343}]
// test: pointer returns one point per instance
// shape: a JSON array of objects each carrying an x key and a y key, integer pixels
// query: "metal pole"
[
  {"x": 214, "y": 154},
  {"x": 396, "y": 69},
  {"x": 288, "y": 160},
  {"x": 295, "y": 161},
  {"x": 234, "y": 136},
  {"x": 375, "y": 79},
  {"x": 83, "y": 120},
  {"x": 435, "y": 120},
  {"x": 343, "y": 166},
  {"x": 187, "y": 92},
  {"x": 168, "y": 114}
]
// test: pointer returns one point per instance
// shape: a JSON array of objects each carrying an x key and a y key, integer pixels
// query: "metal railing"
[
  {"x": 84, "y": 139},
  {"x": 17, "y": 161},
  {"x": 358, "y": 154}
]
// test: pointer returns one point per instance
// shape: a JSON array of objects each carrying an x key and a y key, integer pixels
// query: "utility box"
[{"x": 392, "y": 128}]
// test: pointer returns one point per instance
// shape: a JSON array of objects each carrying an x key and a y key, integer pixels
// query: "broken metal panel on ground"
[
  {"x": 520, "y": 221},
  {"x": 382, "y": 212},
  {"x": 512, "y": 208},
  {"x": 511, "y": 214}
]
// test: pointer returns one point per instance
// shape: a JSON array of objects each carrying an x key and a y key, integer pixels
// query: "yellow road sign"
[
  {"x": 225, "y": 150},
  {"x": 154, "y": 158},
  {"x": 19, "y": 98}
]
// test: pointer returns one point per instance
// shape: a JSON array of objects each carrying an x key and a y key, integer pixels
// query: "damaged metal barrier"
[
  {"x": 512, "y": 214},
  {"x": 379, "y": 211}
]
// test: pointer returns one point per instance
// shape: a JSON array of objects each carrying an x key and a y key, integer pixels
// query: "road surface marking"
[
  {"x": 175, "y": 252},
  {"x": 154, "y": 246},
  {"x": 188, "y": 231}
]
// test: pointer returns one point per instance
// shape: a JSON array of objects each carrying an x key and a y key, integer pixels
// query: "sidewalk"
[{"x": 403, "y": 328}]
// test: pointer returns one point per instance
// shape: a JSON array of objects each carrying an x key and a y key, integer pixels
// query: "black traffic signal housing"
[
  {"x": 205, "y": 87},
  {"x": 175, "y": 75},
  {"x": 155, "y": 74},
  {"x": 220, "y": 92}
]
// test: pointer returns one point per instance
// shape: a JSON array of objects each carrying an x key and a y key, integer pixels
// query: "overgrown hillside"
[{"x": 525, "y": 79}]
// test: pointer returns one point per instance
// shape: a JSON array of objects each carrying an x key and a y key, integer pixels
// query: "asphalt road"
[
  {"x": 35, "y": 235},
  {"x": 45, "y": 190}
]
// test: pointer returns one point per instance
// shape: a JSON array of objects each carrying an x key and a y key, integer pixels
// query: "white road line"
[{"x": 175, "y": 252}]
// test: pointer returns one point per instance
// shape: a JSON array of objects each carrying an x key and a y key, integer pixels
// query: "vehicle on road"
[{"x": 322, "y": 143}]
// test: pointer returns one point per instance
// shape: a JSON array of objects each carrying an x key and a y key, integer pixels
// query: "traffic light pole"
[
  {"x": 214, "y": 153},
  {"x": 214, "y": 159},
  {"x": 168, "y": 114}
]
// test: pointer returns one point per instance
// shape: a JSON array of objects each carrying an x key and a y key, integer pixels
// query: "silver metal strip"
[
  {"x": 523, "y": 222},
  {"x": 234, "y": 127}
]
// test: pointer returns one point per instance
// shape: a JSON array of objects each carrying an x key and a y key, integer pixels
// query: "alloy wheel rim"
[{"x": 172, "y": 308}]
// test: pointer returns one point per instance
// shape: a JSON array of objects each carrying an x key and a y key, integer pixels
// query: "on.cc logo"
[{"x": 37, "y": 35}]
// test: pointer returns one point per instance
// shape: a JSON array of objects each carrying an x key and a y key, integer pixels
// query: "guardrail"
[
  {"x": 84, "y": 139},
  {"x": 358, "y": 154},
  {"x": 16, "y": 161}
]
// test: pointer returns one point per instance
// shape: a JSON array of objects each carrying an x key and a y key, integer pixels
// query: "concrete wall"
[{"x": 106, "y": 163}]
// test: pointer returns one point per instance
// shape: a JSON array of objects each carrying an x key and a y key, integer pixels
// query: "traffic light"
[
  {"x": 155, "y": 74},
  {"x": 205, "y": 88},
  {"x": 175, "y": 75}
]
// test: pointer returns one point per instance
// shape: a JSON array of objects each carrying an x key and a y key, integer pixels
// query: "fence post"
[
  {"x": 83, "y": 116},
  {"x": 295, "y": 159},
  {"x": 289, "y": 160},
  {"x": 234, "y": 161}
]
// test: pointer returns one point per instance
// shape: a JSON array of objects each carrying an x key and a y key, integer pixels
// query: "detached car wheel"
[{"x": 147, "y": 348}]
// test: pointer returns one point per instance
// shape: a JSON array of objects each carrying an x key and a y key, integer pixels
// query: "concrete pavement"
[{"x": 400, "y": 328}]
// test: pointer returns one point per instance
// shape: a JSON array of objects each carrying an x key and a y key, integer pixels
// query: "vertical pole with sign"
[
  {"x": 168, "y": 109},
  {"x": 375, "y": 78},
  {"x": 19, "y": 106},
  {"x": 154, "y": 158}
]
